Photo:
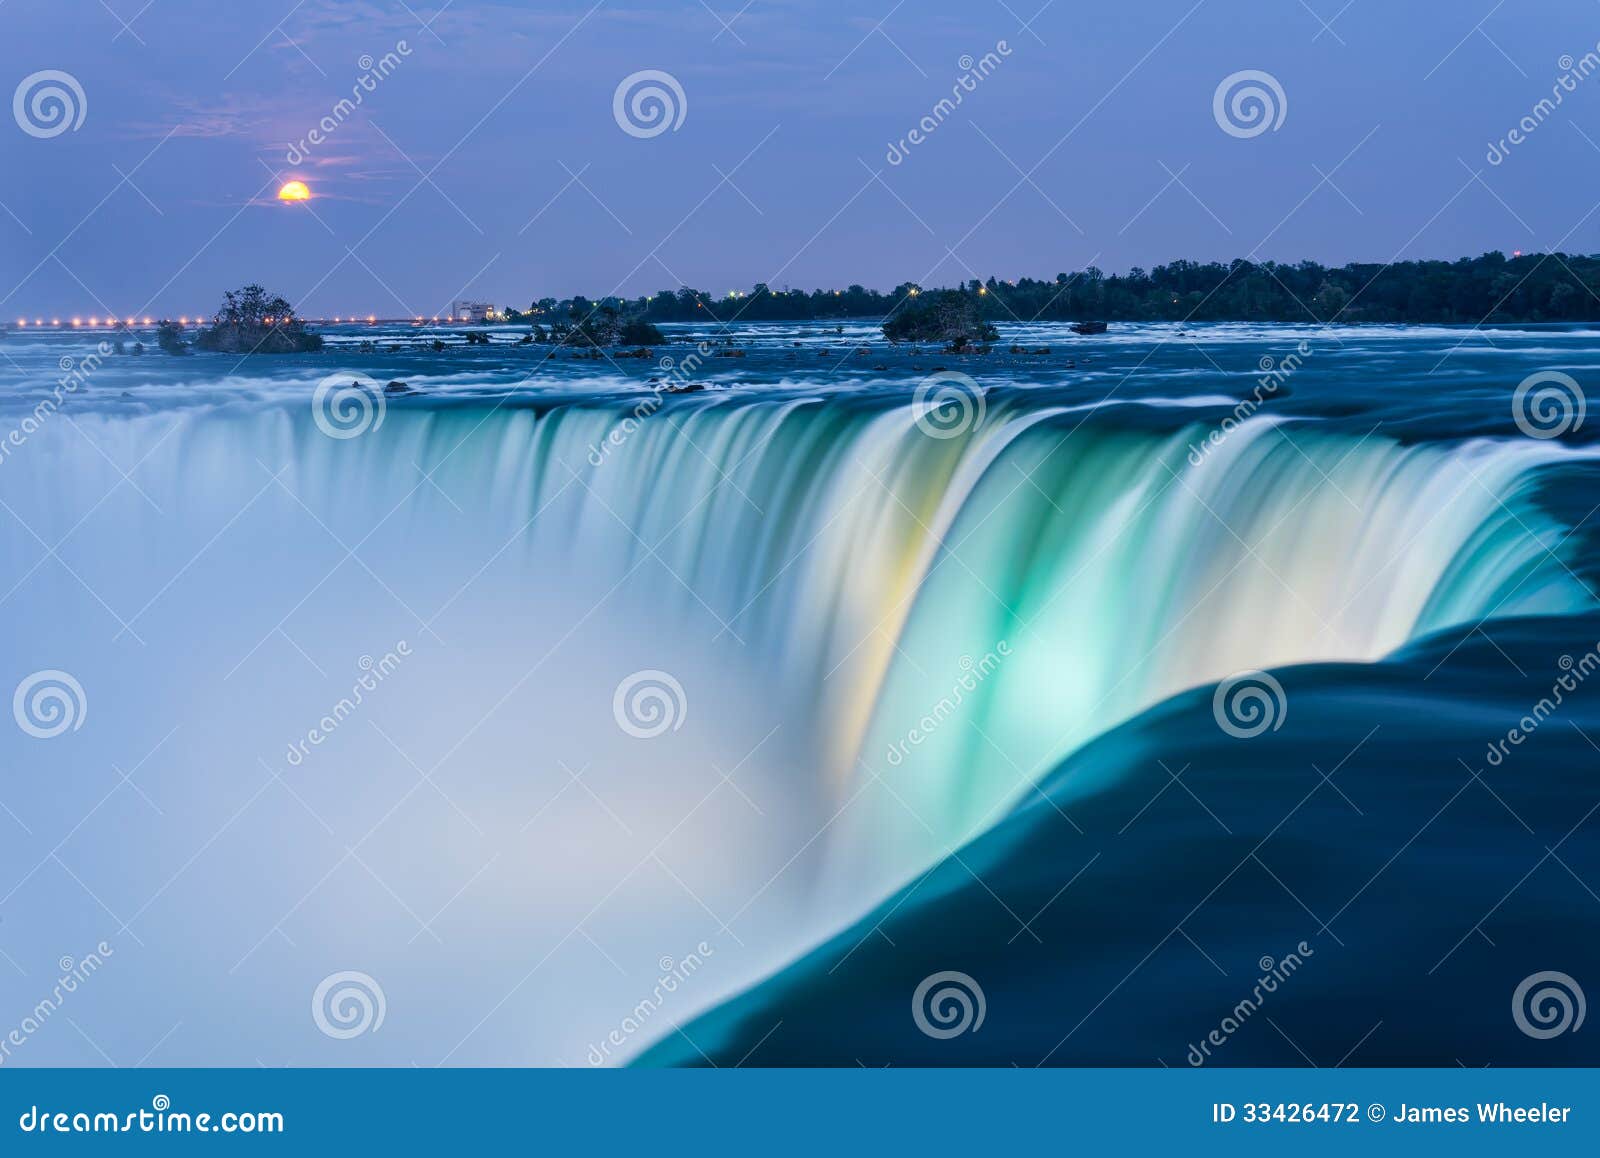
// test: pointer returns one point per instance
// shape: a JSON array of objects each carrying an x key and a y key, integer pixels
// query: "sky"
[{"x": 498, "y": 155}]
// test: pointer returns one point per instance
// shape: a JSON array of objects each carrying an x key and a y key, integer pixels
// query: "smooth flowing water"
[{"x": 527, "y": 692}]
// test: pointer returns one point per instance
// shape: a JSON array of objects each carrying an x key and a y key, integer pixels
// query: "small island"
[
  {"x": 947, "y": 316},
  {"x": 594, "y": 326},
  {"x": 251, "y": 321}
]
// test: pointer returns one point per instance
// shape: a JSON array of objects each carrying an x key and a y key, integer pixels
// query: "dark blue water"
[{"x": 1122, "y": 914}]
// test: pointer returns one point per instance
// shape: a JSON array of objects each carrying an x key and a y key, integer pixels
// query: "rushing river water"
[{"x": 522, "y": 717}]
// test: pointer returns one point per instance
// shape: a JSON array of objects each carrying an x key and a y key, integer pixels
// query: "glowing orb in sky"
[{"x": 294, "y": 191}]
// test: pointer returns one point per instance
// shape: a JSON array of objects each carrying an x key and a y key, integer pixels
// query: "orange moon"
[{"x": 294, "y": 191}]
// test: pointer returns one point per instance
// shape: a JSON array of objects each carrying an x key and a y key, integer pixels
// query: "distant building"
[{"x": 473, "y": 311}]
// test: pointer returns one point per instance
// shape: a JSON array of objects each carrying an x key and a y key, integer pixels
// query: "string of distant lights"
[
  {"x": 206, "y": 320},
  {"x": 337, "y": 320}
]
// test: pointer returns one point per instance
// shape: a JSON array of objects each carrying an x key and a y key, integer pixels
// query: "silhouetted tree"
[
  {"x": 251, "y": 321},
  {"x": 949, "y": 316},
  {"x": 169, "y": 336},
  {"x": 1490, "y": 288}
]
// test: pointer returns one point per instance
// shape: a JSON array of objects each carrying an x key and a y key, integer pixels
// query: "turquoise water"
[{"x": 880, "y": 602}]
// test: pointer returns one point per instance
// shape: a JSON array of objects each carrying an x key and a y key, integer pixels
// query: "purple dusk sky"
[{"x": 491, "y": 160}]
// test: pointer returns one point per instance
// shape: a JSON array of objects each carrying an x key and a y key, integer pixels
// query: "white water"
[{"x": 480, "y": 835}]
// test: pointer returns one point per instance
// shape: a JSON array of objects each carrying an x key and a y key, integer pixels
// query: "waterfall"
[
  {"x": 892, "y": 634},
  {"x": 865, "y": 565}
]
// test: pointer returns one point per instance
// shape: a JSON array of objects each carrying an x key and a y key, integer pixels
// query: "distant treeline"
[{"x": 1550, "y": 287}]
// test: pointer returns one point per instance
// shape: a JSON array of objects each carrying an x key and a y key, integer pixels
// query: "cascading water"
[
  {"x": 1116, "y": 570},
  {"x": 817, "y": 572}
]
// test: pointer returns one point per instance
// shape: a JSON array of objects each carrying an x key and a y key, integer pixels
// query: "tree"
[
  {"x": 1530, "y": 287},
  {"x": 169, "y": 336},
  {"x": 638, "y": 332},
  {"x": 1330, "y": 300},
  {"x": 948, "y": 316},
  {"x": 252, "y": 321},
  {"x": 604, "y": 325}
]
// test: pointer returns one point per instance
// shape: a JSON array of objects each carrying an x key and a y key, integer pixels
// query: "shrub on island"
[
  {"x": 947, "y": 316},
  {"x": 169, "y": 336},
  {"x": 638, "y": 332},
  {"x": 253, "y": 322},
  {"x": 604, "y": 326}
]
